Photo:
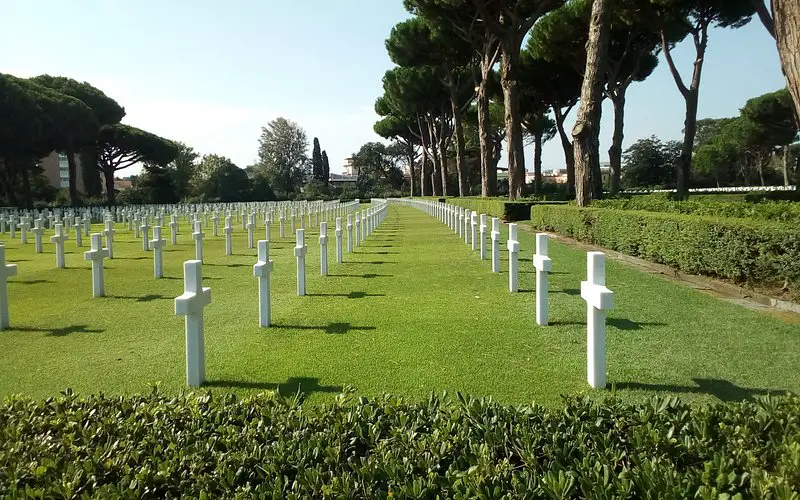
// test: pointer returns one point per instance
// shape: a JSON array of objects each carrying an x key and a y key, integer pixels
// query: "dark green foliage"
[
  {"x": 157, "y": 185},
  {"x": 650, "y": 163},
  {"x": 760, "y": 253},
  {"x": 220, "y": 180},
  {"x": 317, "y": 166},
  {"x": 508, "y": 211},
  {"x": 105, "y": 109},
  {"x": 782, "y": 211},
  {"x": 282, "y": 156},
  {"x": 326, "y": 168},
  {"x": 183, "y": 168},
  {"x": 377, "y": 169},
  {"x": 92, "y": 186},
  {"x": 267, "y": 446}
]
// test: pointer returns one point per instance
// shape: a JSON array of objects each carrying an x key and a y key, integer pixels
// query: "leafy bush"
[
  {"x": 749, "y": 252},
  {"x": 155, "y": 446},
  {"x": 508, "y": 211},
  {"x": 783, "y": 211}
]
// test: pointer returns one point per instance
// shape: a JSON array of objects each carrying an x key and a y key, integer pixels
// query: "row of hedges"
[
  {"x": 509, "y": 211},
  {"x": 269, "y": 447},
  {"x": 748, "y": 252},
  {"x": 781, "y": 211}
]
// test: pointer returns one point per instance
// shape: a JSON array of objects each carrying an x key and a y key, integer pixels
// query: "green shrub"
[
  {"x": 509, "y": 211},
  {"x": 747, "y": 252},
  {"x": 781, "y": 211},
  {"x": 156, "y": 446}
]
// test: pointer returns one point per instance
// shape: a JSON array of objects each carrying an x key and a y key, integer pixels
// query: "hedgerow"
[
  {"x": 156, "y": 446},
  {"x": 756, "y": 253}
]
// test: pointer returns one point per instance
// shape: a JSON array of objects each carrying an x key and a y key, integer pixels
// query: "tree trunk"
[
  {"x": 26, "y": 185},
  {"x": 443, "y": 164},
  {"x": 537, "y": 162},
  {"x": 615, "y": 151},
  {"x": 786, "y": 157},
  {"x": 488, "y": 174},
  {"x": 587, "y": 125},
  {"x": 423, "y": 171},
  {"x": 569, "y": 153},
  {"x": 786, "y": 14},
  {"x": 436, "y": 188},
  {"x": 463, "y": 185},
  {"x": 411, "y": 168},
  {"x": 516, "y": 158},
  {"x": 111, "y": 194},
  {"x": 73, "y": 174}
]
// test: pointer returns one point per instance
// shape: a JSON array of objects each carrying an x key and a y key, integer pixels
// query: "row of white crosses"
[
  {"x": 598, "y": 298},
  {"x": 196, "y": 297}
]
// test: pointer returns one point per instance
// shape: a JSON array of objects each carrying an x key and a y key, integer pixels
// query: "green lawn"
[{"x": 411, "y": 311}]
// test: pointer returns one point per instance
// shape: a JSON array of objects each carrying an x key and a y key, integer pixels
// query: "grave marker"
[
  {"x": 323, "y": 248},
  {"x": 543, "y": 265},
  {"x": 38, "y": 231},
  {"x": 495, "y": 245},
  {"x": 158, "y": 244},
  {"x": 109, "y": 233},
  {"x": 483, "y": 236},
  {"x": 349, "y": 233},
  {"x": 78, "y": 233},
  {"x": 96, "y": 255},
  {"x": 198, "y": 235},
  {"x": 262, "y": 270},
  {"x": 228, "y": 239},
  {"x": 6, "y": 271},
  {"x": 191, "y": 304},
  {"x": 59, "y": 240},
  {"x": 474, "y": 228},
  {"x": 173, "y": 229},
  {"x": 300, "y": 252},
  {"x": 598, "y": 300},
  {"x": 513, "y": 253},
  {"x": 339, "y": 240},
  {"x": 251, "y": 225}
]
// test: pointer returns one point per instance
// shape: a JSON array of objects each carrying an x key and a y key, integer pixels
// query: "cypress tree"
[
  {"x": 326, "y": 168},
  {"x": 316, "y": 161}
]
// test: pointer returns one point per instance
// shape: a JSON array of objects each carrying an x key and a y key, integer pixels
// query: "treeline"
[{"x": 464, "y": 83}]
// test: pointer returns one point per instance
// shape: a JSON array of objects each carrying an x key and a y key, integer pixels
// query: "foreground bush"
[
  {"x": 160, "y": 447},
  {"x": 509, "y": 211},
  {"x": 780, "y": 211},
  {"x": 756, "y": 253}
]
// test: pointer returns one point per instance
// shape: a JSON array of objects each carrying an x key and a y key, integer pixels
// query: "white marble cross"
[
  {"x": 294, "y": 216},
  {"x": 198, "y": 235},
  {"x": 145, "y": 234},
  {"x": 109, "y": 233},
  {"x": 251, "y": 226},
  {"x": 78, "y": 227},
  {"x": 228, "y": 238},
  {"x": 87, "y": 225},
  {"x": 323, "y": 248},
  {"x": 598, "y": 300},
  {"x": 339, "y": 240},
  {"x": 6, "y": 271},
  {"x": 495, "y": 245},
  {"x": 358, "y": 228},
  {"x": 473, "y": 222},
  {"x": 24, "y": 227},
  {"x": 158, "y": 244},
  {"x": 2, "y": 224},
  {"x": 267, "y": 226},
  {"x": 191, "y": 304},
  {"x": 173, "y": 229},
  {"x": 513, "y": 253},
  {"x": 96, "y": 255},
  {"x": 482, "y": 232},
  {"x": 38, "y": 231},
  {"x": 300, "y": 253},
  {"x": 136, "y": 227},
  {"x": 59, "y": 240},
  {"x": 215, "y": 219},
  {"x": 12, "y": 227},
  {"x": 460, "y": 222},
  {"x": 543, "y": 265},
  {"x": 349, "y": 233},
  {"x": 262, "y": 270},
  {"x": 282, "y": 220},
  {"x": 467, "y": 221}
]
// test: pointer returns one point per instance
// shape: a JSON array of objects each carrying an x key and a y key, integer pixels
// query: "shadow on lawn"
[
  {"x": 292, "y": 386},
  {"x": 351, "y": 295},
  {"x": 367, "y": 275},
  {"x": 331, "y": 328},
  {"x": 618, "y": 323},
  {"x": 31, "y": 282},
  {"x": 131, "y": 258},
  {"x": 725, "y": 390},
  {"x": 59, "y": 332},
  {"x": 181, "y": 278},
  {"x": 141, "y": 298},
  {"x": 229, "y": 265},
  {"x": 375, "y": 262},
  {"x": 380, "y": 253}
]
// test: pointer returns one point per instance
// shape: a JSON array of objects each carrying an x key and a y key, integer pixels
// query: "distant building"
[
  {"x": 122, "y": 184},
  {"x": 349, "y": 167},
  {"x": 340, "y": 180},
  {"x": 56, "y": 170}
]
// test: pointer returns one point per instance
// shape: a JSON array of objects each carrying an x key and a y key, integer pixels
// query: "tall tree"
[
  {"x": 283, "y": 157},
  {"x": 316, "y": 161},
  {"x": 326, "y": 169},
  {"x": 402, "y": 130},
  {"x": 541, "y": 129},
  {"x": 221, "y": 180},
  {"x": 696, "y": 17},
  {"x": 651, "y": 163},
  {"x": 122, "y": 146},
  {"x": 586, "y": 132},
  {"x": 377, "y": 168},
  {"x": 773, "y": 124},
  {"x": 183, "y": 169},
  {"x": 106, "y": 111}
]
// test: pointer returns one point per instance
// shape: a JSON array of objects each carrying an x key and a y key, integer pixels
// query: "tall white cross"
[
  {"x": 78, "y": 227},
  {"x": 543, "y": 265},
  {"x": 495, "y": 245},
  {"x": 300, "y": 252},
  {"x": 38, "y": 231},
  {"x": 294, "y": 216},
  {"x": 158, "y": 244},
  {"x": 109, "y": 233},
  {"x": 467, "y": 221},
  {"x": 145, "y": 234},
  {"x": 358, "y": 228},
  {"x": 191, "y": 304},
  {"x": 339, "y": 240},
  {"x": 24, "y": 227},
  {"x": 87, "y": 224},
  {"x": 136, "y": 227},
  {"x": 482, "y": 232},
  {"x": 59, "y": 240},
  {"x": 513, "y": 253},
  {"x": 173, "y": 229},
  {"x": 251, "y": 226},
  {"x": 215, "y": 219},
  {"x": 282, "y": 220},
  {"x": 6, "y": 271},
  {"x": 198, "y": 235},
  {"x": 262, "y": 270},
  {"x": 323, "y": 248},
  {"x": 349, "y": 233},
  {"x": 598, "y": 300},
  {"x": 473, "y": 222},
  {"x": 96, "y": 255},
  {"x": 228, "y": 238}
]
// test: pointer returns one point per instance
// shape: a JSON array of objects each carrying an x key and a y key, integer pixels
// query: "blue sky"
[{"x": 212, "y": 73}]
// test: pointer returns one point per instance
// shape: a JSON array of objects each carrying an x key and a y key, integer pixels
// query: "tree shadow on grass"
[
  {"x": 722, "y": 389},
  {"x": 380, "y": 253},
  {"x": 141, "y": 298},
  {"x": 366, "y": 276},
  {"x": 331, "y": 328},
  {"x": 292, "y": 386},
  {"x": 374, "y": 262},
  {"x": 58, "y": 332},
  {"x": 181, "y": 278},
  {"x": 627, "y": 324},
  {"x": 131, "y": 258},
  {"x": 229, "y": 265},
  {"x": 31, "y": 282},
  {"x": 351, "y": 295}
]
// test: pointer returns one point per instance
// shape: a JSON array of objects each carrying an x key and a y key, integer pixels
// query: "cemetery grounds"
[{"x": 411, "y": 311}]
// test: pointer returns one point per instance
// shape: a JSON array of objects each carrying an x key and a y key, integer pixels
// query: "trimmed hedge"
[
  {"x": 747, "y": 252},
  {"x": 779, "y": 211},
  {"x": 156, "y": 446},
  {"x": 509, "y": 211}
]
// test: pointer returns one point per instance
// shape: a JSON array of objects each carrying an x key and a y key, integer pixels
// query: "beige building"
[
  {"x": 349, "y": 167},
  {"x": 56, "y": 170}
]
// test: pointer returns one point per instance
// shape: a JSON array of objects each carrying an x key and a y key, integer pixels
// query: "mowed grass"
[{"x": 412, "y": 310}]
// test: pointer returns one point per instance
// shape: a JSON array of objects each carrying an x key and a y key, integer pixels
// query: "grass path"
[{"x": 412, "y": 310}]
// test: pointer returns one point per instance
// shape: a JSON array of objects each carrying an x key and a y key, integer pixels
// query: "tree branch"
[{"x": 675, "y": 75}]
